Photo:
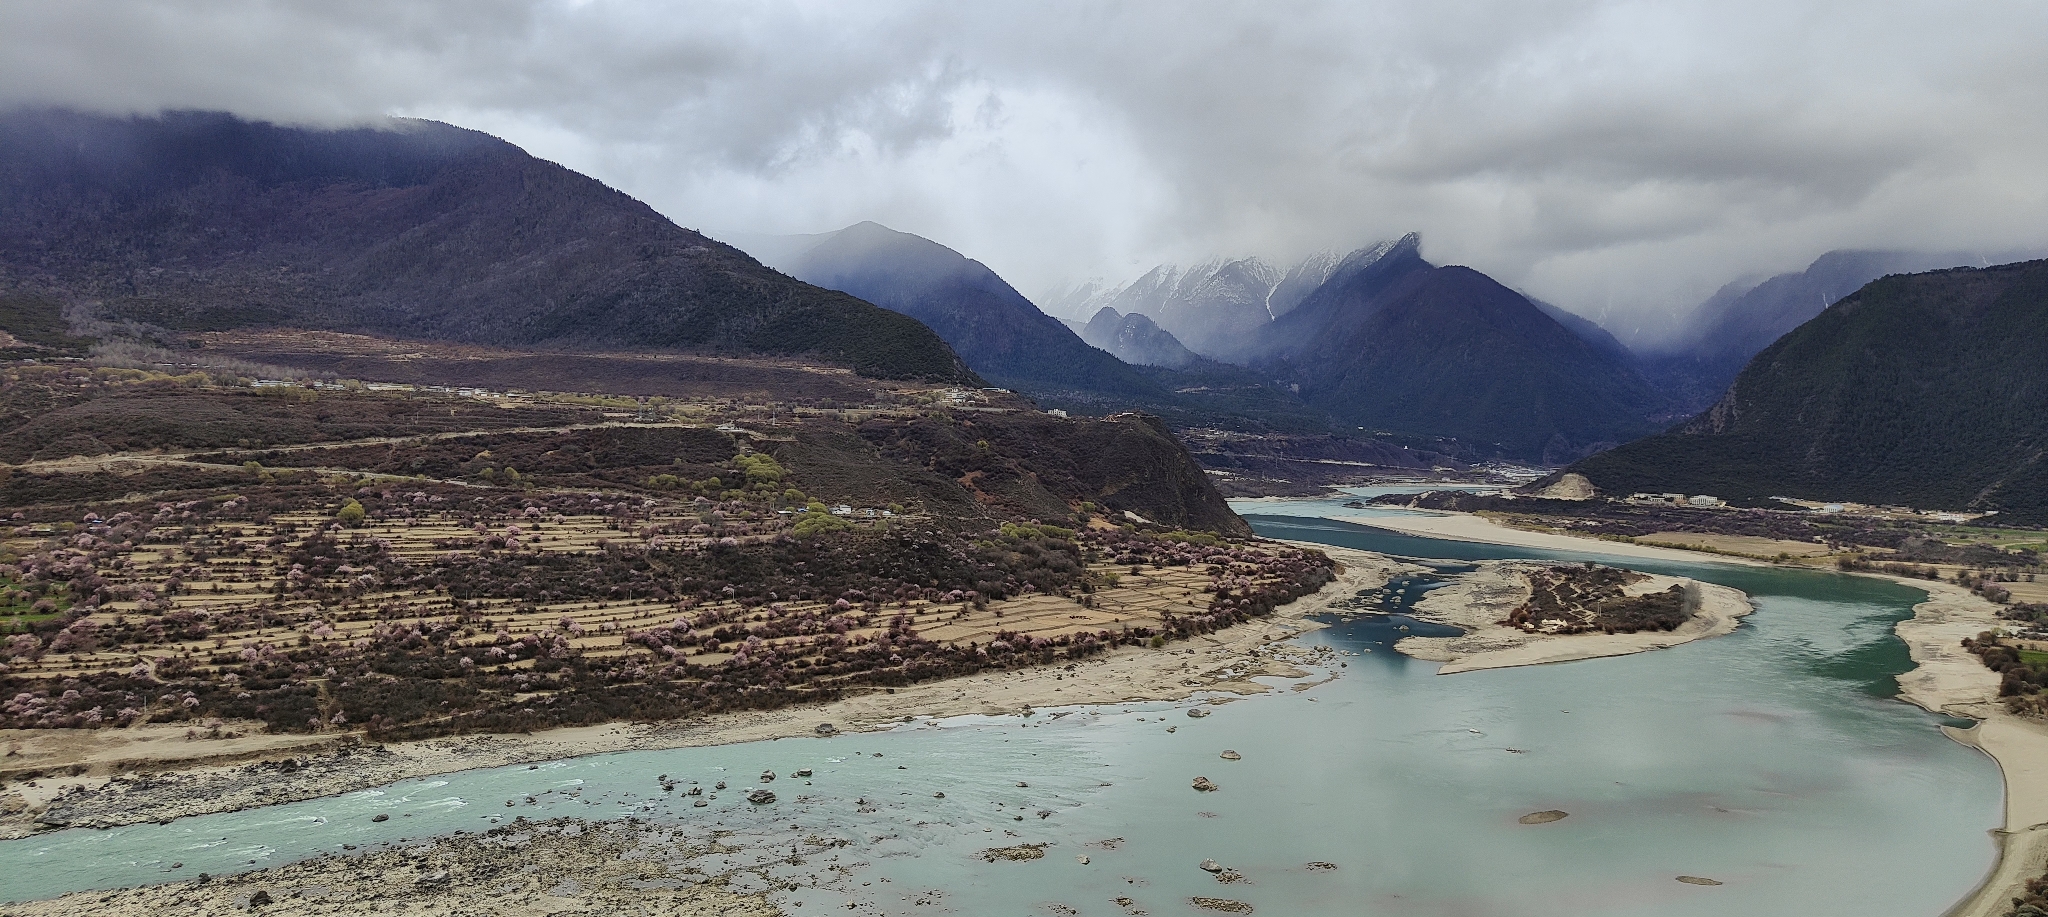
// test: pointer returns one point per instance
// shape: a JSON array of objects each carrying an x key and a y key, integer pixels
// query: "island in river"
[{"x": 1522, "y": 613}]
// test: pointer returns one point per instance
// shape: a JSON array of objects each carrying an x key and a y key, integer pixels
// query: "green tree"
[{"x": 351, "y": 514}]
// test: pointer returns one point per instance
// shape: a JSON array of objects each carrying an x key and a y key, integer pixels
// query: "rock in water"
[
  {"x": 1015, "y": 854},
  {"x": 380, "y": 817},
  {"x": 1225, "y": 905},
  {"x": 1229, "y": 755},
  {"x": 1198, "y": 712},
  {"x": 803, "y": 772},
  {"x": 826, "y": 729},
  {"x": 760, "y": 797},
  {"x": 1544, "y": 817},
  {"x": 1205, "y": 785},
  {"x": 1210, "y": 866},
  {"x": 1698, "y": 880}
]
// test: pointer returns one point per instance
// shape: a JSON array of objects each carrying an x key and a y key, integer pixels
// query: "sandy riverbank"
[
  {"x": 1950, "y": 680},
  {"x": 1468, "y": 527},
  {"x": 1480, "y": 600},
  {"x": 1227, "y": 661}
]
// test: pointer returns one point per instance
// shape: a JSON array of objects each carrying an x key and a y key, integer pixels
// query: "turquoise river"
[{"x": 1774, "y": 760}]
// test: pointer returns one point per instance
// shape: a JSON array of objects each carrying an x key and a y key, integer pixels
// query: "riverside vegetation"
[{"x": 189, "y": 547}]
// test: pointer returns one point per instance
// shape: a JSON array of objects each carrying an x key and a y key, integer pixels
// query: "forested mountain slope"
[
  {"x": 197, "y": 221},
  {"x": 1740, "y": 320},
  {"x": 1929, "y": 390}
]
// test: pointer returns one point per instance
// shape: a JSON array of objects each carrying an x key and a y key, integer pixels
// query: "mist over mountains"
[
  {"x": 994, "y": 328},
  {"x": 1212, "y": 307}
]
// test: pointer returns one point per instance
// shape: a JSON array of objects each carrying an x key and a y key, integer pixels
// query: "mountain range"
[
  {"x": 1213, "y": 308},
  {"x": 202, "y": 221},
  {"x": 1928, "y": 389},
  {"x": 1009, "y": 340}
]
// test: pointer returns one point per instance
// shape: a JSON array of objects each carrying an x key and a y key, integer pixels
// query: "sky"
[{"x": 1619, "y": 159}]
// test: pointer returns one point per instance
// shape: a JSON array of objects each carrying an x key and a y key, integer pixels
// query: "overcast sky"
[{"x": 1619, "y": 159}]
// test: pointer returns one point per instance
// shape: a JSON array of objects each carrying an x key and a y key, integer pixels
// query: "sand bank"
[
  {"x": 1468, "y": 527},
  {"x": 182, "y": 782},
  {"x": 1479, "y": 601},
  {"x": 1952, "y": 681}
]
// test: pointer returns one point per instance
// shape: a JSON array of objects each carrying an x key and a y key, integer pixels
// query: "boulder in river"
[
  {"x": 1544, "y": 817},
  {"x": 1018, "y": 853},
  {"x": 1224, "y": 905},
  {"x": 1198, "y": 712},
  {"x": 1205, "y": 785},
  {"x": 1229, "y": 755},
  {"x": 760, "y": 797},
  {"x": 801, "y": 772},
  {"x": 1210, "y": 866},
  {"x": 1698, "y": 880},
  {"x": 380, "y": 817}
]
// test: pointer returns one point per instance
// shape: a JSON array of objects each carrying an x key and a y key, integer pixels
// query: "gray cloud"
[{"x": 1620, "y": 159}]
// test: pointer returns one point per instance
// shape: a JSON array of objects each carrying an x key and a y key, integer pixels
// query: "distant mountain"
[
  {"x": 1003, "y": 336},
  {"x": 1742, "y": 319},
  {"x": 1213, "y": 307},
  {"x": 1135, "y": 339},
  {"x": 1391, "y": 342},
  {"x": 198, "y": 221},
  {"x": 994, "y": 328},
  {"x": 1929, "y": 390}
]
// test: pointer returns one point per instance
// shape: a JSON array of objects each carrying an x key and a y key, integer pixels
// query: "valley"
[{"x": 358, "y": 474}]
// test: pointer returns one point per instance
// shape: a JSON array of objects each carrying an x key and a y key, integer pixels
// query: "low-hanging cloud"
[{"x": 1621, "y": 159}]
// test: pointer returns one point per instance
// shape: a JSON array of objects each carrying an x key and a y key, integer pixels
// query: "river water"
[{"x": 1773, "y": 760}]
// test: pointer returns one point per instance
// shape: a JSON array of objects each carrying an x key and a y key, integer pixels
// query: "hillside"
[
  {"x": 994, "y": 328},
  {"x": 1929, "y": 390},
  {"x": 1741, "y": 319},
  {"x": 1391, "y": 342},
  {"x": 196, "y": 221}
]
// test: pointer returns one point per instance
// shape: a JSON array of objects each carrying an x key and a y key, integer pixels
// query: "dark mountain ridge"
[
  {"x": 1929, "y": 390},
  {"x": 1391, "y": 342},
  {"x": 202, "y": 221},
  {"x": 994, "y": 328}
]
